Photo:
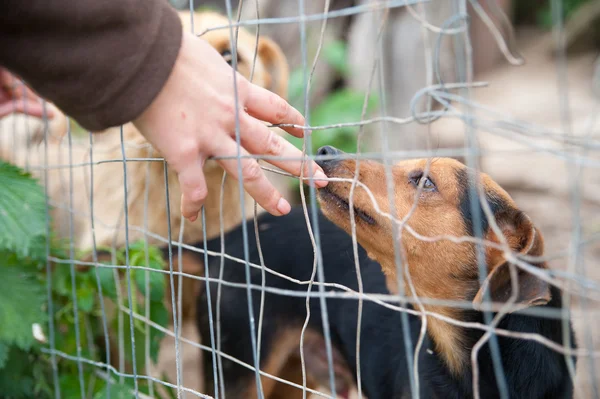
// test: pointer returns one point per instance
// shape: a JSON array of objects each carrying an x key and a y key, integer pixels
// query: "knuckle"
[
  {"x": 247, "y": 125},
  {"x": 198, "y": 194},
  {"x": 273, "y": 144},
  {"x": 281, "y": 109},
  {"x": 229, "y": 113},
  {"x": 228, "y": 108},
  {"x": 251, "y": 171},
  {"x": 186, "y": 152}
]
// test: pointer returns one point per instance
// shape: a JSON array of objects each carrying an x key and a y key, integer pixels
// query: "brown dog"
[
  {"x": 437, "y": 248},
  {"x": 440, "y": 211}
]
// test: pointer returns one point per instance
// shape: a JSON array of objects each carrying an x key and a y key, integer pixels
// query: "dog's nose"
[{"x": 327, "y": 151}]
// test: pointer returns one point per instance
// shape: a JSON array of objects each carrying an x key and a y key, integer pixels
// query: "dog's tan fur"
[{"x": 431, "y": 262}]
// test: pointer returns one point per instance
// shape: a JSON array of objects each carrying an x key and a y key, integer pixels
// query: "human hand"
[
  {"x": 15, "y": 97},
  {"x": 193, "y": 118}
]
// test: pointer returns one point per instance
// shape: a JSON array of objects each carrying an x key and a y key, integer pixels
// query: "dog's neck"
[
  {"x": 449, "y": 339},
  {"x": 524, "y": 358}
]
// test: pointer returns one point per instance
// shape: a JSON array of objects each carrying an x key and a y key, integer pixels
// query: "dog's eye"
[
  {"x": 228, "y": 57},
  {"x": 428, "y": 184}
]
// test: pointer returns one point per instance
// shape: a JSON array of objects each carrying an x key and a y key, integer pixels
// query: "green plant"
[
  {"x": 34, "y": 292},
  {"x": 340, "y": 106},
  {"x": 540, "y": 12},
  {"x": 343, "y": 105},
  {"x": 545, "y": 18}
]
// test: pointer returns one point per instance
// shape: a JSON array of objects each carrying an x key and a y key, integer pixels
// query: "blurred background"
[{"x": 391, "y": 81}]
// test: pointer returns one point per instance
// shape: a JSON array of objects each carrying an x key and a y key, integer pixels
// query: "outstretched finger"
[
  {"x": 269, "y": 107},
  {"x": 21, "y": 106},
  {"x": 193, "y": 189},
  {"x": 254, "y": 180},
  {"x": 257, "y": 138}
]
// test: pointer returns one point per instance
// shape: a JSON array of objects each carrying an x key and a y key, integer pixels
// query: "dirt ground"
[{"x": 541, "y": 183}]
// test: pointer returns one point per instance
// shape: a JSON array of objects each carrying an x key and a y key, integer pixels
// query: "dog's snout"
[{"x": 328, "y": 152}]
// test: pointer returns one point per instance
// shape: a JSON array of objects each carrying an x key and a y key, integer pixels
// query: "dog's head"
[
  {"x": 435, "y": 195},
  {"x": 271, "y": 69}
]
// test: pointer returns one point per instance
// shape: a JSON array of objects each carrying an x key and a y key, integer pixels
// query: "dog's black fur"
[{"x": 532, "y": 370}]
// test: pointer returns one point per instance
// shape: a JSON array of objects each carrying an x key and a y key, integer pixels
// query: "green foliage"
[
  {"x": 22, "y": 299},
  {"x": 545, "y": 18},
  {"x": 156, "y": 280},
  {"x": 26, "y": 370},
  {"x": 116, "y": 391},
  {"x": 4, "y": 351},
  {"x": 336, "y": 55},
  {"x": 158, "y": 312},
  {"x": 16, "y": 381},
  {"x": 341, "y": 106},
  {"x": 541, "y": 13},
  {"x": 22, "y": 211}
]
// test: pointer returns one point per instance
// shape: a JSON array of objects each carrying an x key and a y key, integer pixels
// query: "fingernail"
[
  {"x": 193, "y": 218},
  {"x": 283, "y": 206},
  {"x": 320, "y": 178}
]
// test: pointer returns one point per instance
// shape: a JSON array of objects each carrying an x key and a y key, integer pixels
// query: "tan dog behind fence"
[{"x": 86, "y": 180}]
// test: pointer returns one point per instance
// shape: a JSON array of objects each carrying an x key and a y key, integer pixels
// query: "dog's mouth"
[{"x": 330, "y": 197}]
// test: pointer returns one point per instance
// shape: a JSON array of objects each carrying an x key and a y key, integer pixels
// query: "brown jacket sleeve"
[{"x": 101, "y": 61}]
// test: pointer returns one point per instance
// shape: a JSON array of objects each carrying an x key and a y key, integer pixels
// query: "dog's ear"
[
  {"x": 276, "y": 65},
  {"x": 524, "y": 238}
]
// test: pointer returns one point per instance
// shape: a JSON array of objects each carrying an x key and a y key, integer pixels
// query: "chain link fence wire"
[{"x": 531, "y": 123}]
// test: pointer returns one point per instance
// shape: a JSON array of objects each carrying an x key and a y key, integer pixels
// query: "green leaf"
[
  {"x": 296, "y": 89},
  {"x": 85, "y": 299},
  {"x": 61, "y": 280},
  {"x": 336, "y": 55},
  {"x": 108, "y": 282},
  {"x": 142, "y": 385},
  {"x": 159, "y": 315},
  {"x": 170, "y": 391},
  {"x": 69, "y": 384},
  {"x": 22, "y": 300},
  {"x": 343, "y": 106},
  {"x": 545, "y": 17},
  {"x": 15, "y": 378},
  {"x": 22, "y": 212},
  {"x": 156, "y": 280},
  {"x": 116, "y": 391},
  {"x": 41, "y": 374},
  {"x": 4, "y": 349},
  {"x": 137, "y": 257}
]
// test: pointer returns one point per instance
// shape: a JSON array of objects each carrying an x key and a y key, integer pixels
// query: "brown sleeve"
[{"x": 101, "y": 61}]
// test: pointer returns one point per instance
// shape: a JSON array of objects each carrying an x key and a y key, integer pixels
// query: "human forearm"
[{"x": 102, "y": 62}]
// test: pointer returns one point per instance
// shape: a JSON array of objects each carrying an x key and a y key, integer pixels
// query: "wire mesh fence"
[{"x": 141, "y": 303}]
